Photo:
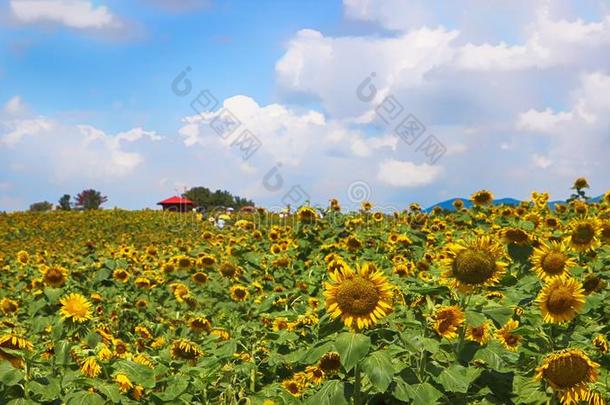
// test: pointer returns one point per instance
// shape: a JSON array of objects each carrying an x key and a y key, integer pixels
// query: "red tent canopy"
[{"x": 176, "y": 200}]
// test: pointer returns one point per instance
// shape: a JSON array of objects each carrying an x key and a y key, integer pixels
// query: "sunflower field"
[{"x": 491, "y": 304}]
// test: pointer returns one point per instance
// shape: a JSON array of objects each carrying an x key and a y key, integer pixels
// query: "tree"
[
  {"x": 64, "y": 203},
  {"x": 41, "y": 206},
  {"x": 90, "y": 199},
  {"x": 204, "y": 197}
]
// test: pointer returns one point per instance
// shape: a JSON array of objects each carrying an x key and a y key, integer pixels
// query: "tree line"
[
  {"x": 85, "y": 200},
  {"x": 92, "y": 200}
]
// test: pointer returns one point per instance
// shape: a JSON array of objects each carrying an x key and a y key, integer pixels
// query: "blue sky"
[{"x": 514, "y": 93}]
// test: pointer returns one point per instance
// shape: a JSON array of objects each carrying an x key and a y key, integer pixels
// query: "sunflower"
[
  {"x": 120, "y": 275},
  {"x": 515, "y": 236},
  {"x": 143, "y": 360},
  {"x": 123, "y": 382},
  {"x": 583, "y": 235},
  {"x": 199, "y": 324},
  {"x": 207, "y": 261},
  {"x": 447, "y": 320},
  {"x": 91, "y": 367},
  {"x": 561, "y": 299},
  {"x": 55, "y": 276},
  {"x": 9, "y": 306},
  {"x": 229, "y": 270},
  {"x": 184, "y": 349},
  {"x": 506, "y": 336},
  {"x": 360, "y": 298},
  {"x": 480, "y": 334},
  {"x": 482, "y": 198},
  {"x": 199, "y": 277},
  {"x": 293, "y": 387},
  {"x": 568, "y": 372},
  {"x": 352, "y": 243},
  {"x": 580, "y": 183},
  {"x": 604, "y": 232},
  {"x": 458, "y": 204},
  {"x": 601, "y": 343},
  {"x": 239, "y": 293},
  {"x": 404, "y": 269},
  {"x": 15, "y": 342},
  {"x": 334, "y": 205},
  {"x": 315, "y": 375},
  {"x": 551, "y": 260},
  {"x": 593, "y": 283},
  {"x": 330, "y": 363},
  {"x": 606, "y": 197},
  {"x": 221, "y": 333},
  {"x": 23, "y": 257},
  {"x": 475, "y": 263},
  {"x": 307, "y": 215},
  {"x": 75, "y": 307}
]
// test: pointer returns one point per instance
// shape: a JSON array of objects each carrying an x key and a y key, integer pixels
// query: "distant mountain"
[{"x": 448, "y": 204}]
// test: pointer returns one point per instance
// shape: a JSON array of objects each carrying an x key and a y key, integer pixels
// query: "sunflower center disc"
[
  {"x": 473, "y": 267},
  {"x": 583, "y": 234},
  {"x": 560, "y": 300},
  {"x": 553, "y": 263},
  {"x": 54, "y": 276},
  {"x": 357, "y": 296},
  {"x": 568, "y": 371},
  {"x": 516, "y": 236}
]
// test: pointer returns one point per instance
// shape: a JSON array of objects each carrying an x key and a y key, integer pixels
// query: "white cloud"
[
  {"x": 78, "y": 14},
  {"x": 15, "y": 106},
  {"x": 33, "y": 144},
  {"x": 542, "y": 121},
  {"x": 541, "y": 161},
  {"x": 23, "y": 127},
  {"x": 407, "y": 174}
]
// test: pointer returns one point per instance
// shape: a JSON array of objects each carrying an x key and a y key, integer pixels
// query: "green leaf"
[
  {"x": 110, "y": 391},
  {"x": 101, "y": 275},
  {"x": 352, "y": 347},
  {"x": 46, "y": 392},
  {"x": 420, "y": 394},
  {"x": 491, "y": 356},
  {"x": 475, "y": 318},
  {"x": 9, "y": 375},
  {"x": 458, "y": 378},
  {"x": 62, "y": 353},
  {"x": 331, "y": 393},
  {"x": 53, "y": 294},
  {"x": 528, "y": 391},
  {"x": 498, "y": 313},
  {"x": 175, "y": 388},
  {"x": 379, "y": 369},
  {"x": 84, "y": 398},
  {"x": 315, "y": 353},
  {"x": 137, "y": 373}
]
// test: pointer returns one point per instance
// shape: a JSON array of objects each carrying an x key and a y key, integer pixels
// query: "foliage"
[
  {"x": 64, "y": 203},
  {"x": 41, "y": 206},
  {"x": 90, "y": 199},
  {"x": 204, "y": 197},
  {"x": 158, "y": 280}
]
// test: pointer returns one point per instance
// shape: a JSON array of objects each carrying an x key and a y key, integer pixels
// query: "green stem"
[{"x": 357, "y": 384}]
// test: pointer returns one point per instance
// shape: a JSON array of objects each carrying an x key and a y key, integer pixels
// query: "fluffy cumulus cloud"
[
  {"x": 79, "y": 14},
  {"x": 36, "y": 149},
  {"x": 304, "y": 147},
  {"x": 514, "y": 92},
  {"x": 407, "y": 174}
]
